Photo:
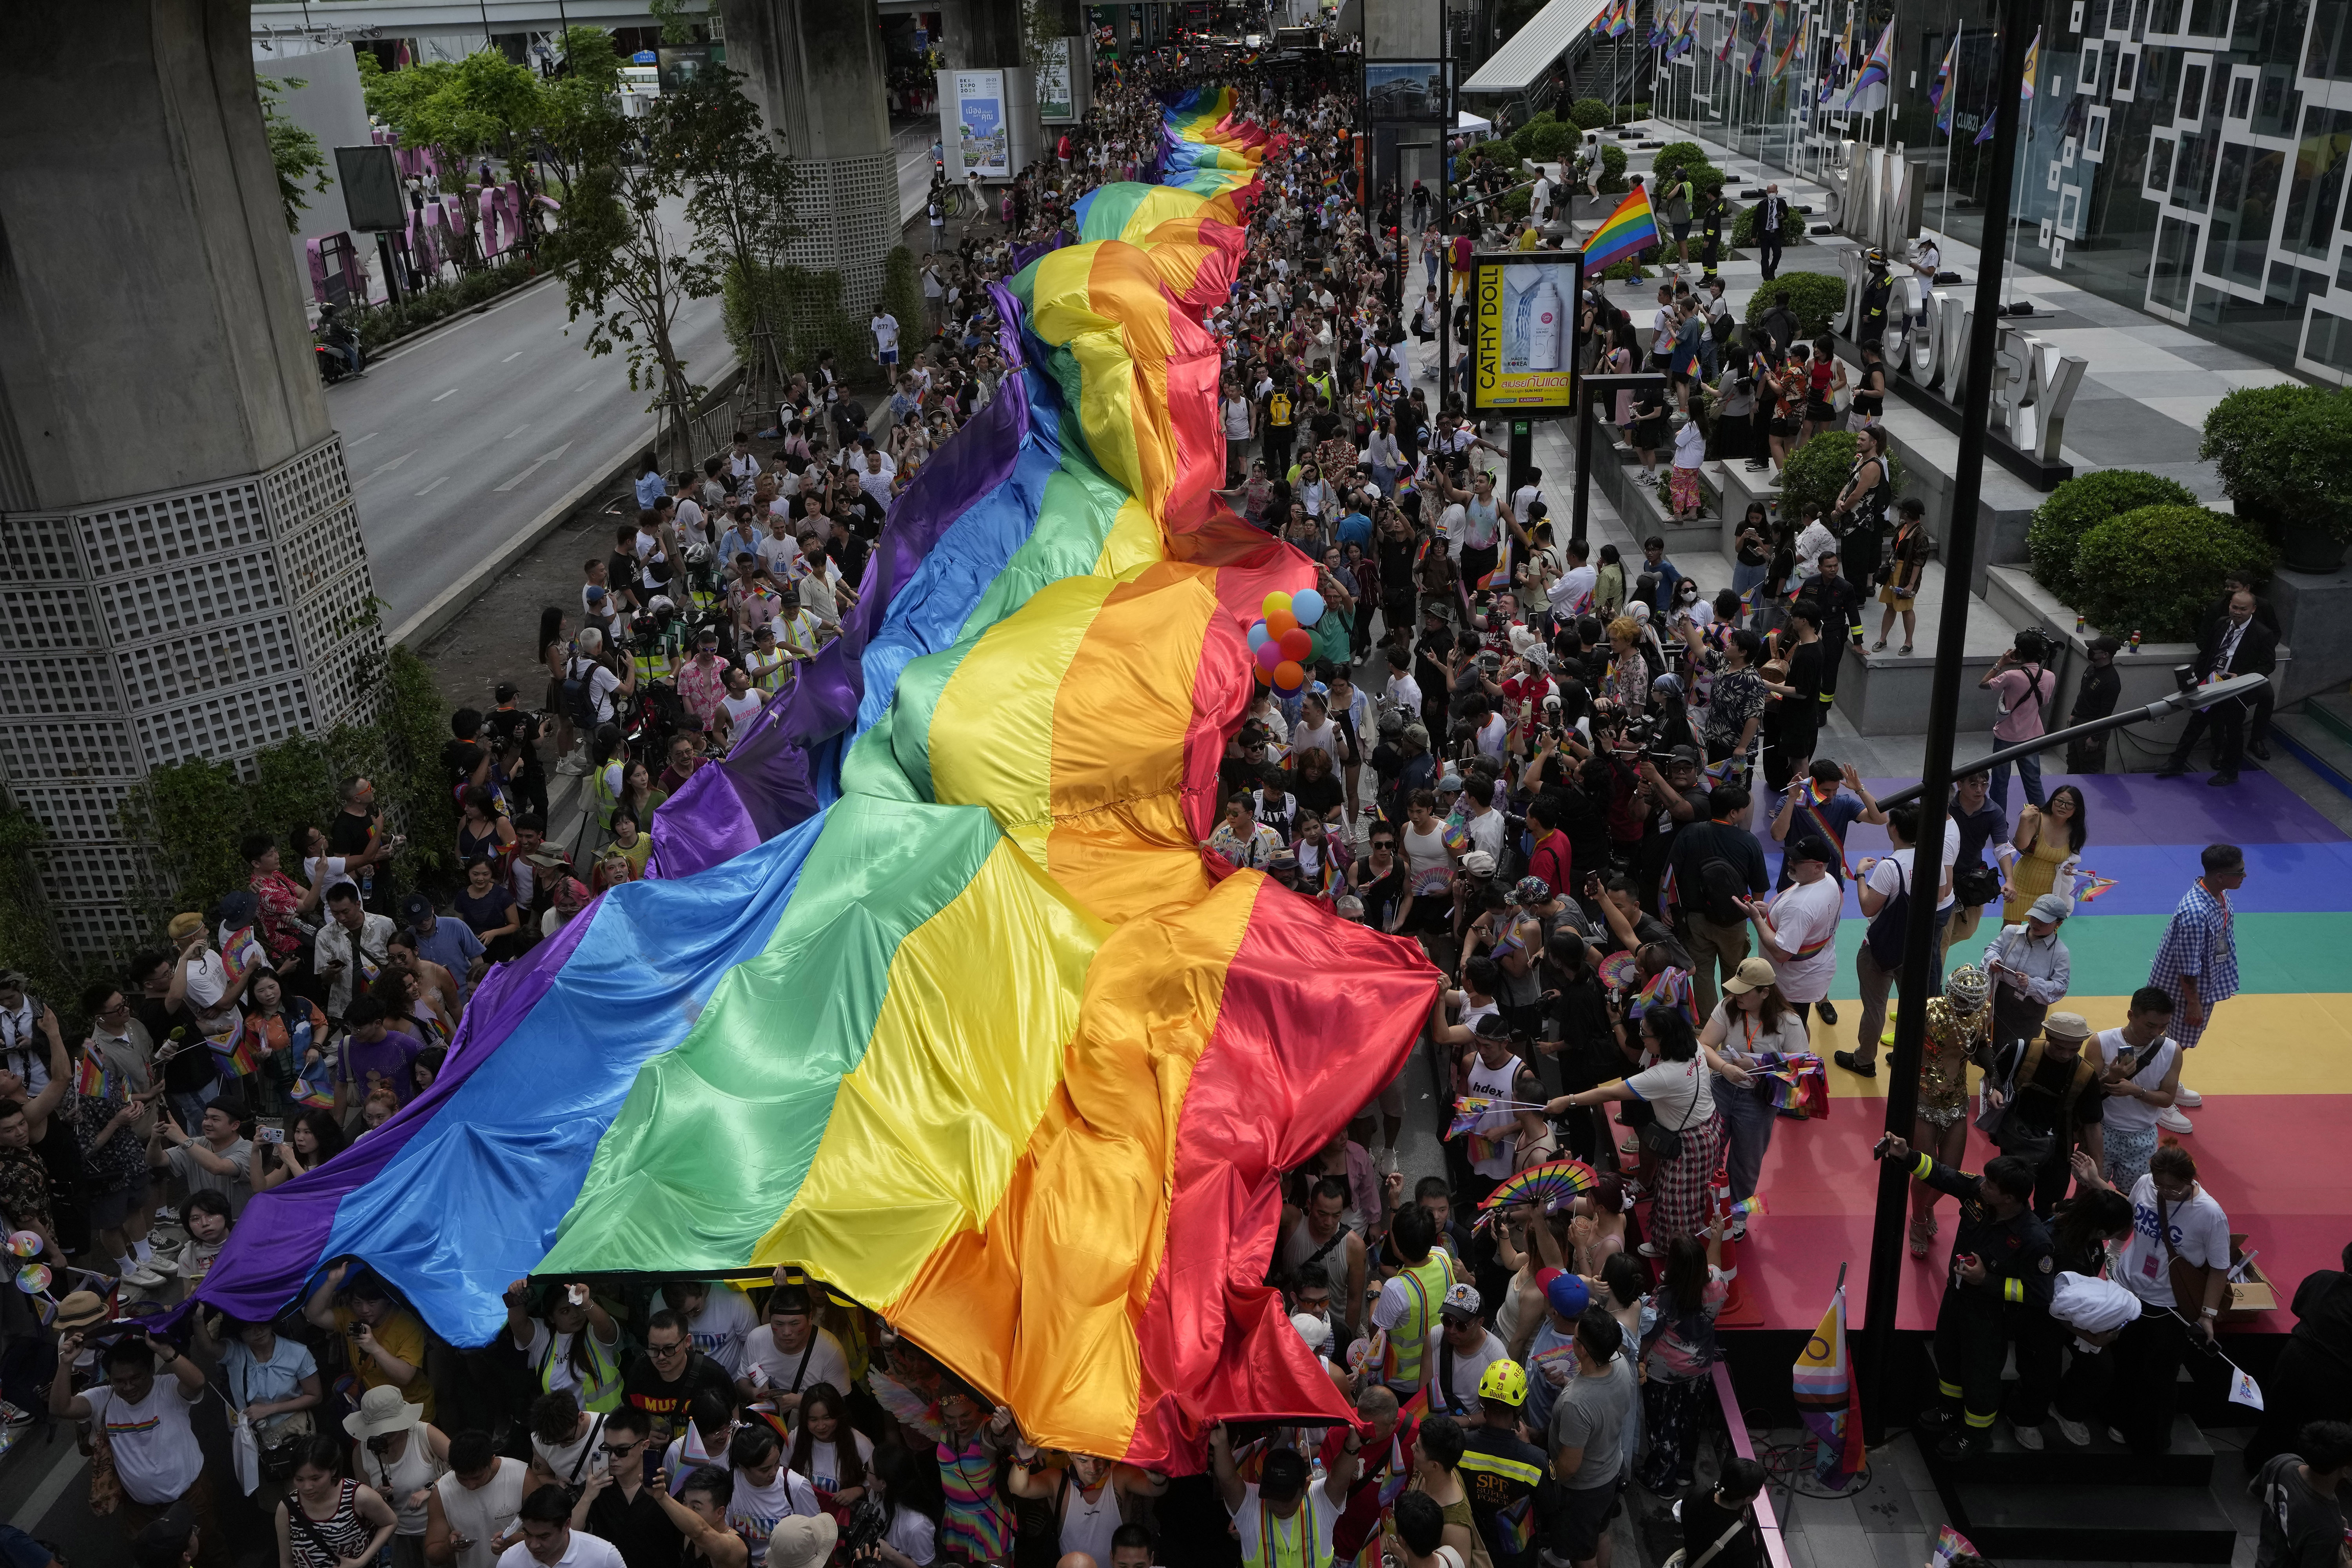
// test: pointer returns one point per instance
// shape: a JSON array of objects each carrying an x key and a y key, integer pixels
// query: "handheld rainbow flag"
[
  {"x": 1668, "y": 988},
  {"x": 1868, "y": 93},
  {"x": 2089, "y": 885},
  {"x": 1630, "y": 230},
  {"x": 1469, "y": 1110},
  {"x": 1517, "y": 1524},
  {"x": 1751, "y": 1205},
  {"x": 1828, "y": 1398},
  {"x": 1552, "y": 1185},
  {"x": 1940, "y": 91},
  {"x": 90, "y": 1077}
]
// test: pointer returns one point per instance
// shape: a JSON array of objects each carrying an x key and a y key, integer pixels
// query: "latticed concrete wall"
[{"x": 200, "y": 623}]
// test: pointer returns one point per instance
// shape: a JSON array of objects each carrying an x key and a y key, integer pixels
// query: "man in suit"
[
  {"x": 1769, "y": 213},
  {"x": 2236, "y": 643},
  {"x": 2258, "y": 716}
]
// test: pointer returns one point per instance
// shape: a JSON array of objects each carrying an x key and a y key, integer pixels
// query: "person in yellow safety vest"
[
  {"x": 1284, "y": 1520},
  {"x": 575, "y": 1346},
  {"x": 1416, "y": 1273}
]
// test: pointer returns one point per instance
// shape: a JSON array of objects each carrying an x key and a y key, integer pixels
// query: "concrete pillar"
[
  {"x": 180, "y": 559},
  {"x": 814, "y": 68},
  {"x": 1121, "y": 33}
]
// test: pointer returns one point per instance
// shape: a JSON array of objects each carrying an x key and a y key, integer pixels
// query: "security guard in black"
[{"x": 1999, "y": 1271}]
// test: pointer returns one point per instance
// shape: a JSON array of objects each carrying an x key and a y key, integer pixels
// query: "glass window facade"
[{"x": 2191, "y": 156}]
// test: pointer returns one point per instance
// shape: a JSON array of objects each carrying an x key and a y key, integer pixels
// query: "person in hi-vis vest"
[
  {"x": 574, "y": 1344},
  {"x": 1415, "y": 1275},
  {"x": 1283, "y": 1520}
]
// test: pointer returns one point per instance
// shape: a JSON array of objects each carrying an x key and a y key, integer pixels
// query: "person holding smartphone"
[
  {"x": 157, "y": 1457},
  {"x": 620, "y": 1502},
  {"x": 469, "y": 1516}
]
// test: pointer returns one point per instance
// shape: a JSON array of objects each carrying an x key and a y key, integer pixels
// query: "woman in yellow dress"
[{"x": 2049, "y": 840}]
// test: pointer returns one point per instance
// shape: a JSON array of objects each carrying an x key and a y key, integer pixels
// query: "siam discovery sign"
[{"x": 1926, "y": 361}]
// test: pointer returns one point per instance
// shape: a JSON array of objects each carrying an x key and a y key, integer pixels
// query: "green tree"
[
  {"x": 741, "y": 189},
  {"x": 294, "y": 150},
  {"x": 673, "y": 14}
]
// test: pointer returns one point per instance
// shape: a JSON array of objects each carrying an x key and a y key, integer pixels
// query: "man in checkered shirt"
[{"x": 2197, "y": 962}]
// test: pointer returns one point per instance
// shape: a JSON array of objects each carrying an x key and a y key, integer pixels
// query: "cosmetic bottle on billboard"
[{"x": 1544, "y": 327}]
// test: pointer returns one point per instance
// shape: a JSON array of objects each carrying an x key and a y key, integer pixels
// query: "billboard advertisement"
[
  {"x": 1063, "y": 78},
  {"x": 983, "y": 136},
  {"x": 1523, "y": 321}
]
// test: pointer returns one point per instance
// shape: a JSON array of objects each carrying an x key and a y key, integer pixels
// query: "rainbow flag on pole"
[
  {"x": 1630, "y": 230},
  {"x": 934, "y": 994},
  {"x": 2032, "y": 67},
  {"x": 1828, "y": 1397},
  {"x": 1782, "y": 15},
  {"x": 1868, "y": 93},
  {"x": 1621, "y": 21},
  {"x": 1941, "y": 89}
]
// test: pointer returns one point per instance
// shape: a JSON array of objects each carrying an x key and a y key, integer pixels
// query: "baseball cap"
[
  {"x": 1460, "y": 1303},
  {"x": 1567, "y": 1293},
  {"x": 2052, "y": 907},
  {"x": 1478, "y": 863},
  {"x": 1811, "y": 847},
  {"x": 1753, "y": 975},
  {"x": 415, "y": 907},
  {"x": 595, "y": 593},
  {"x": 1450, "y": 782}
]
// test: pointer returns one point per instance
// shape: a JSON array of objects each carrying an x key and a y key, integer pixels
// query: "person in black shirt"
[
  {"x": 1998, "y": 1277},
  {"x": 1721, "y": 840},
  {"x": 617, "y": 1504},
  {"x": 2314, "y": 1377},
  {"x": 1576, "y": 1008},
  {"x": 664, "y": 1381},
  {"x": 1840, "y": 622},
  {"x": 1504, "y": 1474},
  {"x": 2055, "y": 1100},
  {"x": 1719, "y": 1526},
  {"x": 2096, "y": 699},
  {"x": 515, "y": 735},
  {"x": 354, "y": 833}
]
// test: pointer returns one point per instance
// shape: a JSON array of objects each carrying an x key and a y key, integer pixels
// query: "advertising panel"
[{"x": 1523, "y": 331}]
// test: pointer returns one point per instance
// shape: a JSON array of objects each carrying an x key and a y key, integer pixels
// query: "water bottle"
[{"x": 1544, "y": 329}]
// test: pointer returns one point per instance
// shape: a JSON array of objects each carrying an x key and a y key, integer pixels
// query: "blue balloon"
[
  {"x": 1257, "y": 634},
  {"x": 1308, "y": 605}
]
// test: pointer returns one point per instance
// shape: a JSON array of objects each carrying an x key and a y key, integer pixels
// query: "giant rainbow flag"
[{"x": 933, "y": 993}]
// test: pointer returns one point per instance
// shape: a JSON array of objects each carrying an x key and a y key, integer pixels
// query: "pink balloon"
[{"x": 1269, "y": 654}]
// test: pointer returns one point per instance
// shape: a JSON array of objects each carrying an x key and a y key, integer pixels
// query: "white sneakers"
[
  {"x": 2074, "y": 1432},
  {"x": 2187, "y": 1099},
  {"x": 2172, "y": 1121}
]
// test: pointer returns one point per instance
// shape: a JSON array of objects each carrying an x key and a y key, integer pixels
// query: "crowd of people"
[{"x": 1559, "y": 770}]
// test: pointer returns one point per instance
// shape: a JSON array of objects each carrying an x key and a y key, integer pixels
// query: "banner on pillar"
[
  {"x": 983, "y": 136},
  {"x": 1064, "y": 82}
]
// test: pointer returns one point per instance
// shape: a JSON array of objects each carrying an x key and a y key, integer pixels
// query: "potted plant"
[
  {"x": 2280, "y": 452},
  {"x": 2154, "y": 571},
  {"x": 2080, "y": 505}
]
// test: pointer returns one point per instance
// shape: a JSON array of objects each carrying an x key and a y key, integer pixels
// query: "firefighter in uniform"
[
  {"x": 1999, "y": 1270},
  {"x": 1502, "y": 1471}
]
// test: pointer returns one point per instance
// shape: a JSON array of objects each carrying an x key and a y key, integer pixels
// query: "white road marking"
[
  {"x": 533, "y": 468},
  {"x": 451, "y": 393},
  {"x": 434, "y": 485}
]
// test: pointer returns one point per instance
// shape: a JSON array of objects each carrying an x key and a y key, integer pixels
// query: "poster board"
[{"x": 1523, "y": 327}]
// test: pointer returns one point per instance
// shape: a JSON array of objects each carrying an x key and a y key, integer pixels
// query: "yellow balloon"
[{"x": 1275, "y": 601}]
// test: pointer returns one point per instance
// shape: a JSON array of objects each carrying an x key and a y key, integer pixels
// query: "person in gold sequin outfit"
[{"x": 1958, "y": 1028}]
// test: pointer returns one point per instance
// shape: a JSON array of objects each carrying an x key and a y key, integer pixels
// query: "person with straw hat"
[{"x": 400, "y": 1454}]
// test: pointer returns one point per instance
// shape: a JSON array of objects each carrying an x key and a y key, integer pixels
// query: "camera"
[{"x": 867, "y": 1522}]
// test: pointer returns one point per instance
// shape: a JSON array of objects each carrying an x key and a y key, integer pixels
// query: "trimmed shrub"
[
  {"x": 2311, "y": 451},
  {"x": 1816, "y": 473},
  {"x": 2080, "y": 505},
  {"x": 2239, "y": 442},
  {"x": 1588, "y": 114},
  {"x": 1816, "y": 296},
  {"x": 1673, "y": 156},
  {"x": 2152, "y": 570}
]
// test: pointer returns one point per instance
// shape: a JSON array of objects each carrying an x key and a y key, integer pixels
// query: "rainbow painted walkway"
[{"x": 2273, "y": 1140}]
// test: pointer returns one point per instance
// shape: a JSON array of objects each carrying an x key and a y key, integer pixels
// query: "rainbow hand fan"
[
  {"x": 1619, "y": 971},
  {"x": 1551, "y": 1184}
]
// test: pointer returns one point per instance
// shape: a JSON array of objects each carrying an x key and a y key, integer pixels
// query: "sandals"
[{"x": 1921, "y": 1239}]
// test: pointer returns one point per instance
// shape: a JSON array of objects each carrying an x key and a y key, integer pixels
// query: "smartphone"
[{"x": 270, "y": 1134}]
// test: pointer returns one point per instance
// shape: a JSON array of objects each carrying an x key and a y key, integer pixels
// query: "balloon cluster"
[{"x": 1279, "y": 641}]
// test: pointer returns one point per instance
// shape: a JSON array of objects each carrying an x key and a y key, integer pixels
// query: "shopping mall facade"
[{"x": 2183, "y": 157}]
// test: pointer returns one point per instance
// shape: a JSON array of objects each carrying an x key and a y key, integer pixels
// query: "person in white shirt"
[
  {"x": 1797, "y": 927},
  {"x": 470, "y": 1513},
  {"x": 2174, "y": 1221},
  {"x": 1283, "y": 1518},
  {"x": 146, "y": 1422},
  {"x": 885, "y": 328},
  {"x": 550, "y": 1542},
  {"x": 1813, "y": 540},
  {"x": 1883, "y": 878},
  {"x": 1461, "y": 1348},
  {"x": 789, "y": 1353},
  {"x": 767, "y": 1493},
  {"x": 2140, "y": 1071},
  {"x": 719, "y": 1317}
]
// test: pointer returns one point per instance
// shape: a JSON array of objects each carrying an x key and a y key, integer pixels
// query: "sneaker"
[
  {"x": 143, "y": 1276},
  {"x": 573, "y": 763},
  {"x": 1961, "y": 1447},
  {"x": 2172, "y": 1121},
  {"x": 1828, "y": 1013},
  {"x": 1652, "y": 1249},
  {"x": 2116, "y": 1436},
  {"x": 2074, "y": 1432},
  {"x": 15, "y": 1417},
  {"x": 2187, "y": 1099},
  {"x": 2028, "y": 1438},
  {"x": 1939, "y": 1418}
]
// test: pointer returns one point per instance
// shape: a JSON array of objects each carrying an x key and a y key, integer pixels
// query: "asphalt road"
[{"x": 457, "y": 439}]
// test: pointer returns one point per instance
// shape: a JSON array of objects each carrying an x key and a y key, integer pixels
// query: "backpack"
[
  {"x": 580, "y": 693},
  {"x": 1721, "y": 886},
  {"x": 1277, "y": 409},
  {"x": 1885, "y": 935}
]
